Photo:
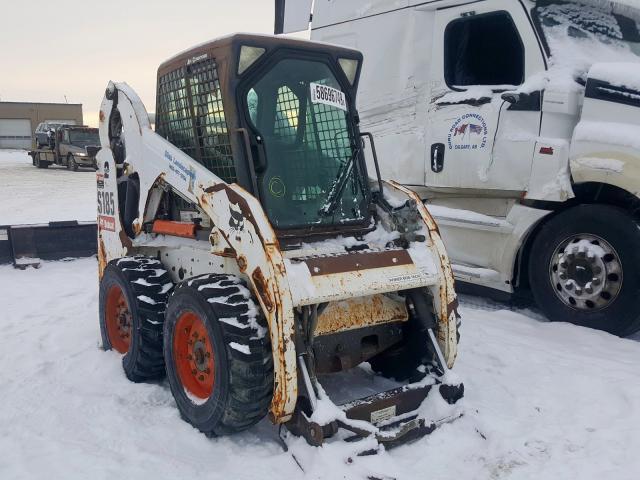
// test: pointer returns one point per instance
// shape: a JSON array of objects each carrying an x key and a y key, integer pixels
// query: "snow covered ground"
[
  {"x": 33, "y": 195},
  {"x": 544, "y": 401}
]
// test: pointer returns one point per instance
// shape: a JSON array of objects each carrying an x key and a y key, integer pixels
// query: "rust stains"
[
  {"x": 242, "y": 263},
  {"x": 237, "y": 199},
  {"x": 360, "y": 312},
  {"x": 357, "y": 261},
  {"x": 124, "y": 239},
  {"x": 227, "y": 252},
  {"x": 102, "y": 257},
  {"x": 262, "y": 286}
]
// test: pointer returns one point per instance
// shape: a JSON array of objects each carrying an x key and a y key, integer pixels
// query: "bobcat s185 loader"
[{"x": 244, "y": 252}]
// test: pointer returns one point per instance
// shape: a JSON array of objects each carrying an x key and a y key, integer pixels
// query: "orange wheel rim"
[
  {"x": 118, "y": 319},
  {"x": 193, "y": 355}
]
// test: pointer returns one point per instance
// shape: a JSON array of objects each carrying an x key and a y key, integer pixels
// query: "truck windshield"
[
  {"x": 84, "y": 137},
  {"x": 313, "y": 175},
  {"x": 579, "y": 35}
]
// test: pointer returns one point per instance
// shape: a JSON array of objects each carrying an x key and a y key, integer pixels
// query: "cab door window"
[{"x": 483, "y": 49}]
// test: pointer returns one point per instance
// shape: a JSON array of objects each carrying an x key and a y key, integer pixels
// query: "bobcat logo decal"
[{"x": 237, "y": 221}]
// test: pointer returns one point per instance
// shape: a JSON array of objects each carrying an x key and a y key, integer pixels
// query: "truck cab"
[
  {"x": 516, "y": 121},
  {"x": 77, "y": 146}
]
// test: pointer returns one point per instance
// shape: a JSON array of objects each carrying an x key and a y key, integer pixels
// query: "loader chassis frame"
[{"x": 242, "y": 240}]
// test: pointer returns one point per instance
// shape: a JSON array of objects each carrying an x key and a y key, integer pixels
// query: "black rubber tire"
[
  {"x": 243, "y": 386},
  {"x": 40, "y": 164},
  {"x": 69, "y": 157},
  {"x": 146, "y": 286},
  {"x": 621, "y": 231}
]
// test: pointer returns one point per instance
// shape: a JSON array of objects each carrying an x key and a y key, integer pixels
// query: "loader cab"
[{"x": 278, "y": 117}]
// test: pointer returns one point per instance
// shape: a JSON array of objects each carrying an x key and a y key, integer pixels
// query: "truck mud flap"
[{"x": 25, "y": 244}]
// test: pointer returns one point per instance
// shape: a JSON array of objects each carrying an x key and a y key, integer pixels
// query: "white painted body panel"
[{"x": 401, "y": 85}]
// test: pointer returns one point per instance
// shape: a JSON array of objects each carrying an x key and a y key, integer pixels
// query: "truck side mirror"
[{"x": 510, "y": 97}]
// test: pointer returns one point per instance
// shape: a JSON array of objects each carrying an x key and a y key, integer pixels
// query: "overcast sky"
[{"x": 50, "y": 49}]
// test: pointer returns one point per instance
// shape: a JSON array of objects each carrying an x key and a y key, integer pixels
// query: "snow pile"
[
  {"x": 608, "y": 133},
  {"x": 578, "y": 36},
  {"x": 475, "y": 92},
  {"x": 543, "y": 400},
  {"x": 447, "y": 213},
  {"x": 621, "y": 74},
  {"x": 607, "y": 164},
  {"x": 33, "y": 195}
]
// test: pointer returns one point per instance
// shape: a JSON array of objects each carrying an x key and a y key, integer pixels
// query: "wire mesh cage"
[{"x": 190, "y": 114}]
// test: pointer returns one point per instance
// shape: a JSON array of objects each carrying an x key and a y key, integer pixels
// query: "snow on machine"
[
  {"x": 244, "y": 251},
  {"x": 517, "y": 122}
]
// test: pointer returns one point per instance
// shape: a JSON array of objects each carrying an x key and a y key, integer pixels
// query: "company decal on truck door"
[
  {"x": 328, "y": 96},
  {"x": 468, "y": 132}
]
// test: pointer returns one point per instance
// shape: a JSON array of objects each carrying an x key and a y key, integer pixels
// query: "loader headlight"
[{"x": 248, "y": 55}]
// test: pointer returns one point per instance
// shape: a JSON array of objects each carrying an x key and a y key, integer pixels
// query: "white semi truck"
[{"x": 518, "y": 123}]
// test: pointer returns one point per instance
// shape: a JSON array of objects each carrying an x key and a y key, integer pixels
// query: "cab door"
[{"x": 479, "y": 136}]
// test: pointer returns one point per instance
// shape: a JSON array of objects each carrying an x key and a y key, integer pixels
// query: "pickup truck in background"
[{"x": 74, "y": 147}]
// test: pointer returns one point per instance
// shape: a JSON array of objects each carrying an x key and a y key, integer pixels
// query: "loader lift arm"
[{"x": 255, "y": 244}]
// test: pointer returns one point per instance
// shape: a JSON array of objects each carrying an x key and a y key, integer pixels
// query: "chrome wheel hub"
[{"x": 586, "y": 272}]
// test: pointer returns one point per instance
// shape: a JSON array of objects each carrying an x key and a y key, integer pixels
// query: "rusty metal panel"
[
  {"x": 360, "y": 312},
  {"x": 357, "y": 261},
  {"x": 308, "y": 289}
]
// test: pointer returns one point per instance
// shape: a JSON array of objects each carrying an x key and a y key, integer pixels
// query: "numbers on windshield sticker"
[{"x": 328, "y": 96}]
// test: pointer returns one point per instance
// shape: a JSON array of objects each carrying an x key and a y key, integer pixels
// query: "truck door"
[{"x": 479, "y": 136}]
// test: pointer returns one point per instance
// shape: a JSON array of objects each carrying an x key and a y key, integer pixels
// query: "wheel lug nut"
[
  {"x": 201, "y": 378},
  {"x": 568, "y": 285},
  {"x": 589, "y": 290},
  {"x": 207, "y": 354},
  {"x": 596, "y": 281},
  {"x": 578, "y": 291},
  {"x": 597, "y": 270},
  {"x": 207, "y": 371},
  {"x": 193, "y": 371},
  {"x": 562, "y": 275}
]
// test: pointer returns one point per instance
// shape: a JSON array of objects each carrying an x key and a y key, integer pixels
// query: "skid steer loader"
[{"x": 244, "y": 252}]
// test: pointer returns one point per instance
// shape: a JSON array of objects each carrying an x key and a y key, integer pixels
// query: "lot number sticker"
[{"x": 328, "y": 96}]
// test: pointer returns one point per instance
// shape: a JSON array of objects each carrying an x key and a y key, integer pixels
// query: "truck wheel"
[
  {"x": 71, "y": 163},
  {"x": 218, "y": 355},
  {"x": 41, "y": 164},
  {"x": 583, "y": 269},
  {"x": 133, "y": 296}
]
